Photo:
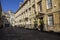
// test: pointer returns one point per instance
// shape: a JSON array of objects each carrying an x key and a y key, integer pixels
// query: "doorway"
[{"x": 41, "y": 24}]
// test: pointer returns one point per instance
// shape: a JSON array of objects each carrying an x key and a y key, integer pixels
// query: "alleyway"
[{"x": 25, "y": 34}]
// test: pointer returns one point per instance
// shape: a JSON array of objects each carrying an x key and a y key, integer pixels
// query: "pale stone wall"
[{"x": 31, "y": 9}]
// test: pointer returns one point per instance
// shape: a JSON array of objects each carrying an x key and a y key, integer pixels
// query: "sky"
[{"x": 12, "y": 5}]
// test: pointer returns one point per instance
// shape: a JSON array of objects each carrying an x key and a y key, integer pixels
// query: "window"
[
  {"x": 49, "y": 4},
  {"x": 40, "y": 6},
  {"x": 29, "y": 2},
  {"x": 26, "y": 10},
  {"x": 33, "y": 8},
  {"x": 50, "y": 20},
  {"x": 29, "y": 10}
]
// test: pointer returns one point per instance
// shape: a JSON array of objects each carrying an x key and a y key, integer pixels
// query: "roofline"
[{"x": 21, "y": 6}]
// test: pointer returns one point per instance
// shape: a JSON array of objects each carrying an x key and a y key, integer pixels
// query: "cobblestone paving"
[{"x": 25, "y": 34}]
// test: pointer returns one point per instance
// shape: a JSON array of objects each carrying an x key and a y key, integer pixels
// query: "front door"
[{"x": 41, "y": 24}]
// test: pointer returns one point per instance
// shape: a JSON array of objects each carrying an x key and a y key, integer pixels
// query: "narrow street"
[
  {"x": 40, "y": 16},
  {"x": 26, "y": 34}
]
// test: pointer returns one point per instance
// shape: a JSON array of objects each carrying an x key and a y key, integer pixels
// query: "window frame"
[{"x": 51, "y": 20}]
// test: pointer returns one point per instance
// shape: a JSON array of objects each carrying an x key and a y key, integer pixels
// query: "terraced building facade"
[{"x": 39, "y": 14}]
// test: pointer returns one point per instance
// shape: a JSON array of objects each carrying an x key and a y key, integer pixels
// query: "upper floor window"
[
  {"x": 32, "y": 1},
  {"x": 29, "y": 2},
  {"x": 40, "y": 6},
  {"x": 49, "y": 4}
]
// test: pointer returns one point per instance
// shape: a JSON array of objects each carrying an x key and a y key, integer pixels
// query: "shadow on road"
[{"x": 18, "y": 33}]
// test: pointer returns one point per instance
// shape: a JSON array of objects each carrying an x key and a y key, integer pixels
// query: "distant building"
[
  {"x": 5, "y": 19},
  {"x": 8, "y": 19},
  {"x": 11, "y": 17},
  {"x": 40, "y": 14}
]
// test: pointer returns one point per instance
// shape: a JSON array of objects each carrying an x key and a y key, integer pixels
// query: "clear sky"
[{"x": 10, "y": 5}]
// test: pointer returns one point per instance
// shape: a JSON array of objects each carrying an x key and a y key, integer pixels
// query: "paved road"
[{"x": 26, "y": 34}]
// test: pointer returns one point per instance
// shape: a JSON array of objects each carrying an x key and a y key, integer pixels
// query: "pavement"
[{"x": 26, "y": 34}]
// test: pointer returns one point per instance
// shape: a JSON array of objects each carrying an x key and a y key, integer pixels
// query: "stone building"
[
  {"x": 11, "y": 17},
  {"x": 40, "y": 14},
  {"x": 8, "y": 18},
  {"x": 5, "y": 19}
]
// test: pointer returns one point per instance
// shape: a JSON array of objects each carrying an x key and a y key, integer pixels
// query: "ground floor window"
[{"x": 50, "y": 20}]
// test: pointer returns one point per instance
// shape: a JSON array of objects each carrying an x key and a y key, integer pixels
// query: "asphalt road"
[{"x": 26, "y": 34}]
